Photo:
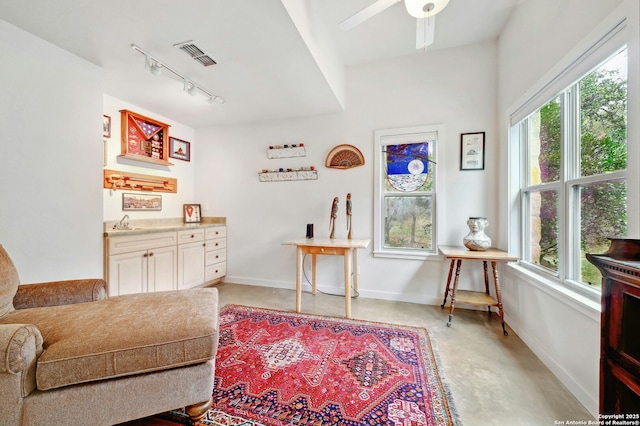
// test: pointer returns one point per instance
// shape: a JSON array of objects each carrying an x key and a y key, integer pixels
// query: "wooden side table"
[
  {"x": 457, "y": 255},
  {"x": 348, "y": 248}
]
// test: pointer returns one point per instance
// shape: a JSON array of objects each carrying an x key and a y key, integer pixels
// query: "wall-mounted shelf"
[
  {"x": 144, "y": 139},
  {"x": 298, "y": 151},
  {"x": 116, "y": 179},
  {"x": 288, "y": 176}
]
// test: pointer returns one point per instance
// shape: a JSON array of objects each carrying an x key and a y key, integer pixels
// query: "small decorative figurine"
[
  {"x": 334, "y": 215},
  {"x": 349, "y": 215},
  {"x": 477, "y": 240}
]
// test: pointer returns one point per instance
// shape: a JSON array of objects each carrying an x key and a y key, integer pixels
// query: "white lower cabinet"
[
  {"x": 141, "y": 263},
  {"x": 215, "y": 258},
  {"x": 162, "y": 261},
  {"x": 190, "y": 258}
]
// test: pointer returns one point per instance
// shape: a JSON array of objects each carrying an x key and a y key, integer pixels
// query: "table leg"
[
  {"x": 498, "y": 296},
  {"x": 486, "y": 283},
  {"x": 347, "y": 282},
  {"x": 355, "y": 272},
  {"x": 300, "y": 257},
  {"x": 314, "y": 273},
  {"x": 453, "y": 293},
  {"x": 446, "y": 291}
]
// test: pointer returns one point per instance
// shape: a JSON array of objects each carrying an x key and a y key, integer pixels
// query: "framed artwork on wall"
[
  {"x": 472, "y": 151},
  {"x": 106, "y": 126},
  {"x": 191, "y": 213},
  {"x": 141, "y": 202},
  {"x": 179, "y": 149}
]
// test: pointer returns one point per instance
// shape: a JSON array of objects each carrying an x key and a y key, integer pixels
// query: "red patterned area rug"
[{"x": 278, "y": 368}]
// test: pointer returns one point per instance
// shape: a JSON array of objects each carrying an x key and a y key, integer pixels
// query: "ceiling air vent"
[{"x": 190, "y": 48}]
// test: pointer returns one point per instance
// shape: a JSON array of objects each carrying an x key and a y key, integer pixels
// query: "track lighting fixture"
[{"x": 156, "y": 66}]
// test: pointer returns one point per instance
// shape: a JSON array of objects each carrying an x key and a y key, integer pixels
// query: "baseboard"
[
  {"x": 537, "y": 348},
  {"x": 338, "y": 290}
]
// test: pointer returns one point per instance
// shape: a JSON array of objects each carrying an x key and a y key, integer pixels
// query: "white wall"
[
  {"x": 51, "y": 162},
  {"x": 455, "y": 87},
  {"x": 563, "y": 330},
  {"x": 183, "y": 171}
]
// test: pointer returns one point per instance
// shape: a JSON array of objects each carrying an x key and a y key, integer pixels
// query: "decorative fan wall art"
[{"x": 344, "y": 157}]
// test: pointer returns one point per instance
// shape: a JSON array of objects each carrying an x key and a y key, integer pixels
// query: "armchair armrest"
[
  {"x": 20, "y": 347},
  {"x": 60, "y": 293}
]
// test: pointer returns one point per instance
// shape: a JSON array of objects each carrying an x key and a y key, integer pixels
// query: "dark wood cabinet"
[{"x": 620, "y": 338}]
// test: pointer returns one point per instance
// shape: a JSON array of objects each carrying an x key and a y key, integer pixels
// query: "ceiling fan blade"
[
  {"x": 366, "y": 13},
  {"x": 425, "y": 32}
]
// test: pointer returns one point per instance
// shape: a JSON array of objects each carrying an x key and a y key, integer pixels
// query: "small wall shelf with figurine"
[
  {"x": 144, "y": 139},
  {"x": 286, "y": 151}
]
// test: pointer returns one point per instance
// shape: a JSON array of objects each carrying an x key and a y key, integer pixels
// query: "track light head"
[
  {"x": 152, "y": 65},
  {"x": 190, "y": 88}
]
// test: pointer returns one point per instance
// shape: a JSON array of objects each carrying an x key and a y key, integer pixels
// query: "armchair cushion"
[
  {"x": 9, "y": 282},
  {"x": 59, "y": 293},
  {"x": 122, "y": 335}
]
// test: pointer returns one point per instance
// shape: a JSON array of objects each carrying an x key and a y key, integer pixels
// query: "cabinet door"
[
  {"x": 128, "y": 273},
  {"x": 190, "y": 265},
  {"x": 162, "y": 274}
]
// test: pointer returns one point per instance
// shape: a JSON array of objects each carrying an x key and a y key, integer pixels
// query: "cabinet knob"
[
  {"x": 145, "y": 255},
  {"x": 216, "y": 244},
  {"x": 192, "y": 236},
  {"x": 151, "y": 254},
  {"x": 204, "y": 245},
  {"x": 217, "y": 256}
]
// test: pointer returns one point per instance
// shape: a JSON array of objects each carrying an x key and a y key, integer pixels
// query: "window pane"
[
  {"x": 543, "y": 226},
  {"x": 408, "y": 222},
  {"x": 408, "y": 167},
  {"x": 544, "y": 143},
  {"x": 603, "y": 118},
  {"x": 603, "y": 214}
]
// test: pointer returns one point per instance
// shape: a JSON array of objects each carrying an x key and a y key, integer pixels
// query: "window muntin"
[{"x": 573, "y": 194}]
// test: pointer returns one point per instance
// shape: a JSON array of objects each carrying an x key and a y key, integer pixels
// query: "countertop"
[{"x": 148, "y": 226}]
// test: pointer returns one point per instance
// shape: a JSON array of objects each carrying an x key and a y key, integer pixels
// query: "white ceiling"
[{"x": 265, "y": 69}]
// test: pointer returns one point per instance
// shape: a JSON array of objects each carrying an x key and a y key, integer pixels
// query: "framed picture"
[
  {"x": 179, "y": 149},
  {"x": 141, "y": 202},
  {"x": 106, "y": 126},
  {"x": 191, "y": 213},
  {"x": 472, "y": 151}
]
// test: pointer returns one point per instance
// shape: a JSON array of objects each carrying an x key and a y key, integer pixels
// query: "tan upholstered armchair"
[{"x": 70, "y": 355}]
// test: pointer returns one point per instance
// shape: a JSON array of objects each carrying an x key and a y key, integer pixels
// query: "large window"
[
  {"x": 405, "y": 214},
  {"x": 573, "y": 158}
]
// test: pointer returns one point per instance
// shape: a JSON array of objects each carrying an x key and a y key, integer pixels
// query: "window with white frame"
[
  {"x": 405, "y": 192},
  {"x": 573, "y": 175}
]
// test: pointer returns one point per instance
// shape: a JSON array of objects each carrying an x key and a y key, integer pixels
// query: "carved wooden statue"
[
  {"x": 349, "y": 215},
  {"x": 334, "y": 215}
]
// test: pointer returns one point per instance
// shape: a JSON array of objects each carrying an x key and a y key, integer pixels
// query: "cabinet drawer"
[
  {"x": 324, "y": 250},
  {"x": 216, "y": 232},
  {"x": 215, "y": 271},
  {"x": 216, "y": 244},
  {"x": 129, "y": 243},
  {"x": 215, "y": 256},
  {"x": 190, "y": 236}
]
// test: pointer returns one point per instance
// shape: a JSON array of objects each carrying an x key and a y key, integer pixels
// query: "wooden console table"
[
  {"x": 328, "y": 246},
  {"x": 457, "y": 255}
]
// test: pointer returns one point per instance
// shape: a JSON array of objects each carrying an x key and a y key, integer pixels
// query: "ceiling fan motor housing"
[{"x": 424, "y": 8}]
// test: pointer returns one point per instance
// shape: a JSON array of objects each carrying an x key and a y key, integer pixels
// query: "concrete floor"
[{"x": 494, "y": 379}]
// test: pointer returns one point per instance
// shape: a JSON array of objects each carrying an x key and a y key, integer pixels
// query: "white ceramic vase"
[{"x": 477, "y": 240}]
